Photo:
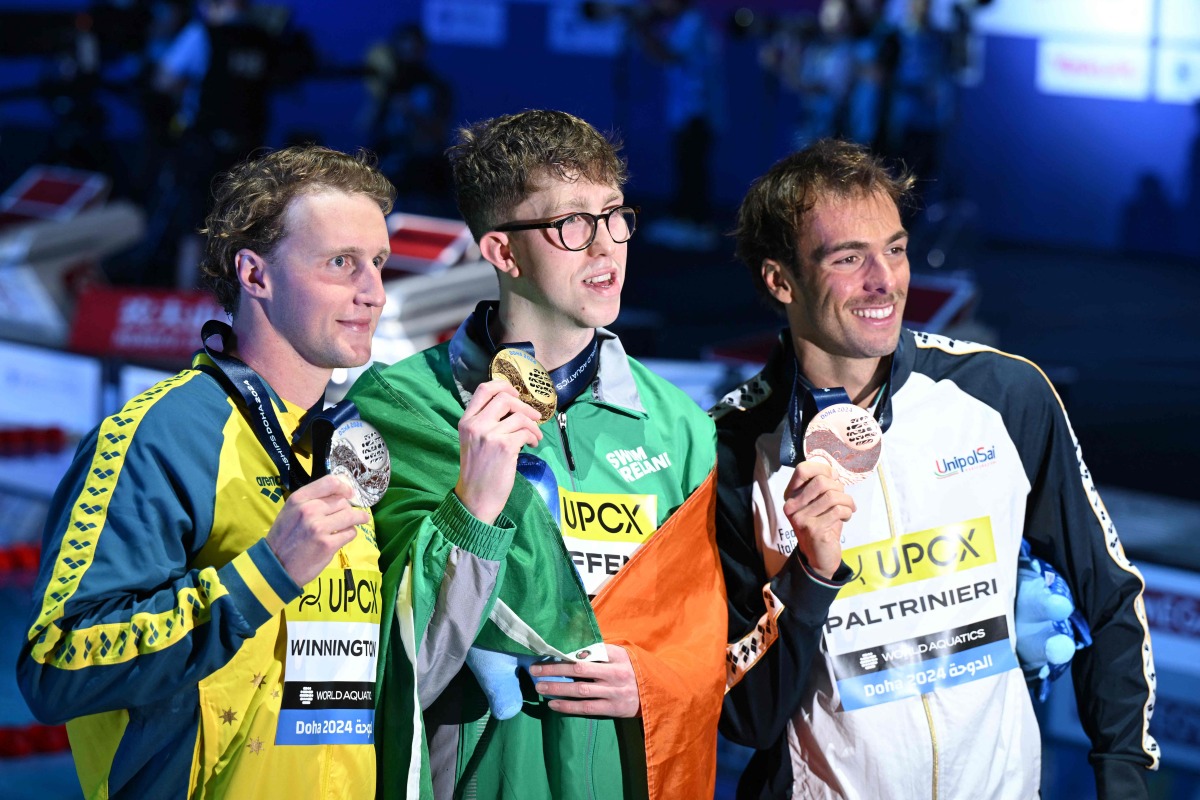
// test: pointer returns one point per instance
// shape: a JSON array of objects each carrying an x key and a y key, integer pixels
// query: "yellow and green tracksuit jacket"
[{"x": 160, "y": 629}]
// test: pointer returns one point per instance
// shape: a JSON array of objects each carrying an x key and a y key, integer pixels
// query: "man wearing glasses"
[{"x": 567, "y": 521}]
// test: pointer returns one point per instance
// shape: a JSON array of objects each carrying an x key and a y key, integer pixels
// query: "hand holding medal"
[
  {"x": 315, "y": 522},
  {"x": 841, "y": 446},
  {"x": 502, "y": 417}
]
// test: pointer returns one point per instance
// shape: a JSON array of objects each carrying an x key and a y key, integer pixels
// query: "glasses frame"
[{"x": 558, "y": 224}]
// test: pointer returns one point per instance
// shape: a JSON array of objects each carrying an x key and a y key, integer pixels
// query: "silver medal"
[{"x": 359, "y": 452}]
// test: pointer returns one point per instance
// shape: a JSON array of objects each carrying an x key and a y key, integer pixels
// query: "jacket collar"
[
  {"x": 781, "y": 370},
  {"x": 614, "y": 384}
]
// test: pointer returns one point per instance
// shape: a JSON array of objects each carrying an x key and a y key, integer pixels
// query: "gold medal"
[{"x": 528, "y": 377}]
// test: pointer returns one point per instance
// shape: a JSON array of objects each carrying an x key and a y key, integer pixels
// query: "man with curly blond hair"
[
  {"x": 204, "y": 607},
  {"x": 620, "y": 591}
]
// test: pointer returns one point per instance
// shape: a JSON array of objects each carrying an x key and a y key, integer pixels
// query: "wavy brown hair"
[
  {"x": 775, "y": 210},
  {"x": 251, "y": 200},
  {"x": 499, "y": 162}
]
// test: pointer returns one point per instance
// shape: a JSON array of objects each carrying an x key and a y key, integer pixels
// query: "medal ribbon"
[
  {"x": 319, "y": 428},
  {"x": 569, "y": 380},
  {"x": 806, "y": 402},
  {"x": 243, "y": 383},
  {"x": 577, "y": 374}
]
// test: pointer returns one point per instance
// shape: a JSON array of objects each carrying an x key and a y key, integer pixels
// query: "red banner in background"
[{"x": 161, "y": 326}]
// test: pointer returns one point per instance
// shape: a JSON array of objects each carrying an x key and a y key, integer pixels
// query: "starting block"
[
  {"x": 54, "y": 226},
  {"x": 52, "y": 193},
  {"x": 424, "y": 245}
]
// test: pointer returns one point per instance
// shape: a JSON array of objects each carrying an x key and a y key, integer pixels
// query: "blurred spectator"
[
  {"x": 875, "y": 52},
  {"x": 218, "y": 71},
  {"x": 167, "y": 19},
  {"x": 874, "y": 72},
  {"x": 1148, "y": 219},
  {"x": 408, "y": 121},
  {"x": 921, "y": 98},
  {"x": 219, "y": 67},
  {"x": 817, "y": 65},
  {"x": 677, "y": 34},
  {"x": 215, "y": 78},
  {"x": 840, "y": 65}
]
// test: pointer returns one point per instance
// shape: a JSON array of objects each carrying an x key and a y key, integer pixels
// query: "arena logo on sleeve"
[
  {"x": 602, "y": 531},
  {"x": 927, "y": 610}
]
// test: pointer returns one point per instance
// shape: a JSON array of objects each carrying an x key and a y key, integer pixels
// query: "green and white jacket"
[{"x": 626, "y": 454}]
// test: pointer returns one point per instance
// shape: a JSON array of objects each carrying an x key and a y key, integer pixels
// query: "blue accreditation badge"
[{"x": 538, "y": 473}]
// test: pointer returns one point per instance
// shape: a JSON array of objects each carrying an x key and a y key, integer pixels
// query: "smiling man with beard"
[
  {"x": 622, "y": 589},
  {"x": 882, "y": 663}
]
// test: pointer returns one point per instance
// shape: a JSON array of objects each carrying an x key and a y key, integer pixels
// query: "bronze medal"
[
  {"x": 848, "y": 438},
  {"x": 528, "y": 377}
]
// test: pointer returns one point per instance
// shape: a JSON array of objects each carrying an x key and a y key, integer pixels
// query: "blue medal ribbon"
[
  {"x": 806, "y": 402},
  {"x": 577, "y": 374},
  {"x": 569, "y": 380},
  {"x": 316, "y": 430}
]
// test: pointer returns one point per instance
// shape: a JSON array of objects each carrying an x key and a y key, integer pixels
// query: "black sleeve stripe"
[{"x": 926, "y": 342}]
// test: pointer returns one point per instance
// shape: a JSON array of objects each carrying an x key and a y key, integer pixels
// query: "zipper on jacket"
[
  {"x": 933, "y": 742},
  {"x": 887, "y": 502},
  {"x": 566, "y": 443},
  {"x": 344, "y": 560}
]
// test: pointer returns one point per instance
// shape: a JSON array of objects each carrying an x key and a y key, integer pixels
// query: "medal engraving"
[
  {"x": 847, "y": 437},
  {"x": 528, "y": 377},
  {"x": 359, "y": 452}
]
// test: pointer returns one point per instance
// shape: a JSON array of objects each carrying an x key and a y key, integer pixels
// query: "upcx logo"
[
  {"x": 608, "y": 517},
  {"x": 919, "y": 556}
]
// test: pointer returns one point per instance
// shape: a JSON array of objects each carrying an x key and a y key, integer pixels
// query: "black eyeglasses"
[{"x": 577, "y": 231}]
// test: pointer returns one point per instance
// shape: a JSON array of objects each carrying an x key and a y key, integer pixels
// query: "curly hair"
[
  {"x": 776, "y": 208},
  {"x": 251, "y": 200},
  {"x": 499, "y": 162}
]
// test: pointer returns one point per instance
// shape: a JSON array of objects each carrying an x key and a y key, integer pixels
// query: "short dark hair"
[
  {"x": 250, "y": 203},
  {"x": 776, "y": 208},
  {"x": 499, "y": 162}
]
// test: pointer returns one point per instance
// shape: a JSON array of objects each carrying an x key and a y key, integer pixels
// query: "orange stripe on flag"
[{"x": 667, "y": 608}]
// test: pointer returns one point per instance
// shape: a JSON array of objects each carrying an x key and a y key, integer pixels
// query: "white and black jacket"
[{"x": 897, "y": 679}]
